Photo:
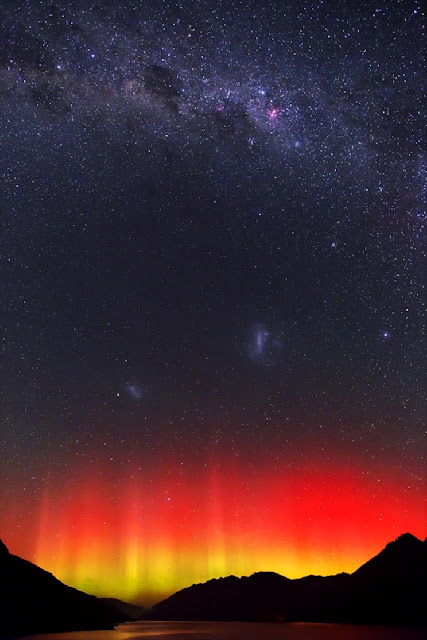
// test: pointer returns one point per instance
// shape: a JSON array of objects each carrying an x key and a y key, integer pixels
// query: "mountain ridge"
[
  {"x": 387, "y": 589},
  {"x": 35, "y": 601}
]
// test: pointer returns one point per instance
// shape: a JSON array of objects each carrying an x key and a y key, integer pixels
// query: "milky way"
[
  {"x": 212, "y": 218},
  {"x": 323, "y": 91}
]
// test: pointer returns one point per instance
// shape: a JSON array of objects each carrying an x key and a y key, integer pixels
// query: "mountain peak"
[
  {"x": 405, "y": 540},
  {"x": 406, "y": 537},
  {"x": 388, "y": 589},
  {"x": 401, "y": 556}
]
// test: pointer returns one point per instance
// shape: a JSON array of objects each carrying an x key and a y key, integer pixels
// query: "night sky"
[{"x": 212, "y": 281}]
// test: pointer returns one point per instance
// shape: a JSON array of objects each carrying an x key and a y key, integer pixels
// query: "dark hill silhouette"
[
  {"x": 389, "y": 589},
  {"x": 34, "y": 601},
  {"x": 260, "y": 597},
  {"x": 391, "y": 586},
  {"x": 133, "y": 611}
]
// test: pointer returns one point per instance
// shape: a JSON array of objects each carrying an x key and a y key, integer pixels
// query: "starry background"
[{"x": 211, "y": 229}]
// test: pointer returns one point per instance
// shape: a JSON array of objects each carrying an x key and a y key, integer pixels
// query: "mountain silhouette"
[
  {"x": 34, "y": 601},
  {"x": 389, "y": 589},
  {"x": 132, "y": 611}
]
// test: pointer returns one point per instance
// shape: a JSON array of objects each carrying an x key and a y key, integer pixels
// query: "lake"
[{"x": 237, "y": 631}]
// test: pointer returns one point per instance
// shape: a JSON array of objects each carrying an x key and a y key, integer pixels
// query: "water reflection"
[{"x": 236, "y": 631}]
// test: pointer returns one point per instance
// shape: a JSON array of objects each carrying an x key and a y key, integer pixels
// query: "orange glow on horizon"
[{"x": 141, "y": 541}]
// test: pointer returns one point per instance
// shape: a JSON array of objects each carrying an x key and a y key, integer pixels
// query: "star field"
[{"x": 212, "y": 244}]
